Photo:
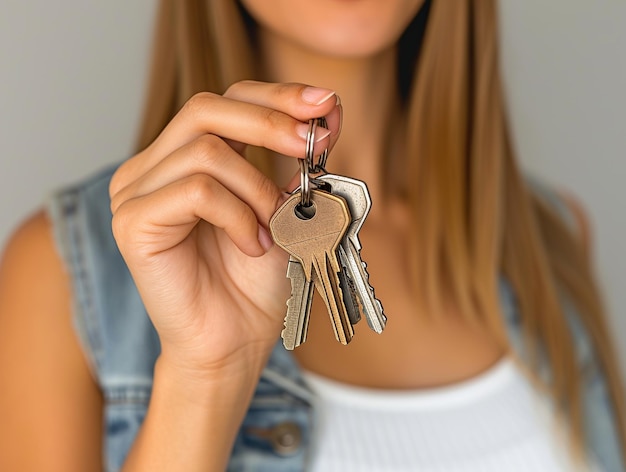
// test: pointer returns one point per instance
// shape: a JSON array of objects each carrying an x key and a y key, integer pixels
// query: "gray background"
[{"x": 72, "y": 72}]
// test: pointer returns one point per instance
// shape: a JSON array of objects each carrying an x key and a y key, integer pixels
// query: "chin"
[
  {"x": 350, "y": 43},
  {"x": 338, "y": 28}
]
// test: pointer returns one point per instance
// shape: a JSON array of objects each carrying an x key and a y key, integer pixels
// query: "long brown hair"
[{"x": 474, "y": 215}]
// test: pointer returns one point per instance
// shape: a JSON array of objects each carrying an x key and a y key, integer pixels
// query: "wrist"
[
  {"x": 237, "y": 371},
  {"x": 193, "y": 416}
]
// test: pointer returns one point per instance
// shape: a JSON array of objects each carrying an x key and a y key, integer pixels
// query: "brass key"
[{"x": 312, "y": 235}]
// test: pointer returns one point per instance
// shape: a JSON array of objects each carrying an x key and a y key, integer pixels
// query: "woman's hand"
[{"x": 190, "y": 217}]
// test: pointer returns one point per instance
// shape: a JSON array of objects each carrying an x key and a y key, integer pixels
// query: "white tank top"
[{"x": 494, "y": 422}]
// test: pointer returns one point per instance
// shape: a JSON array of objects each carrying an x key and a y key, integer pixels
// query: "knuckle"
[
  {"x": 126, "y": 229},
  {"x": 207, "y": 151},
  {"x": 265, "y": 187},
  {"x": 120, "y": 225},
  {"x": 199, "y": 188},
  {"x": 235, "y": 88},
  {"x": 272, "y": 120},
  {"x": 288, "y": 90},
  {"x": 118, "y": 180},
  {"x": 114, "y": 189},
  {"x": 244, "y": 218},
  {"x": 197, "y": 104},
  {"x": 115, "y": 204}
]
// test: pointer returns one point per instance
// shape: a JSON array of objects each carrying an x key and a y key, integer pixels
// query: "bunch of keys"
[{"x": 319, "y": 229}]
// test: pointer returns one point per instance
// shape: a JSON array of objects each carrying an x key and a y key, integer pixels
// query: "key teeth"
[
  {"x": 372, "y": 307},
  {"x": 376, "y": 300},
  {"x": 351, "y": 290},
  {"x": 354, "y": 314},
  {"x": 295, "y": 323},
  {"x": 284, "y": 334}
]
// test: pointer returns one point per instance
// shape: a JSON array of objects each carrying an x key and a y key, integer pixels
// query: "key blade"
[
  {"x": 348, "y": 288},
  {"x": 298, "y": 306},
  {"x": 372, "y": 307},
  {"x": 305, "y": 305},
  {"x": 327, "y": 284}
]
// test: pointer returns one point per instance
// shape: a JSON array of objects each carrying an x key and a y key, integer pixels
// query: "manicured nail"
[
  {"x": 265, "y": 239},
  {"x": 316, "y": 96},
  {"x": 302, "y": 130}
]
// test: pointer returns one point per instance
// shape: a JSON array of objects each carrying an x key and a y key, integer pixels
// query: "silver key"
[
  {"x": 298, "y": 306},
  {"x": 356, "y": 195}
]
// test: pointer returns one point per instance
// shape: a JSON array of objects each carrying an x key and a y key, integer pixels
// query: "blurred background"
[{"x": 71, "y": 89}]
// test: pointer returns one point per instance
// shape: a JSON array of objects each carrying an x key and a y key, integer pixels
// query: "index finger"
[
  {"x": 274, "y": 127},
  {"x": 298, "y": 100}
]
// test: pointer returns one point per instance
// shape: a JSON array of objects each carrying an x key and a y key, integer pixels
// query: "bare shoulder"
[{"x": 49, "y": 404}]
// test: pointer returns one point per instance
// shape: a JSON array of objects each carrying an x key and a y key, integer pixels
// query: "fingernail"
[
  {"x": 316, "y": 96},
  {"x": 302, "y": 129},
  {"x": 338, "y": 100},
  {"x": 265, "y": 240}
]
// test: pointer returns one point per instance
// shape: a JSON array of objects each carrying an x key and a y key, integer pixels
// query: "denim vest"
[{"x": 276, "y": 435}]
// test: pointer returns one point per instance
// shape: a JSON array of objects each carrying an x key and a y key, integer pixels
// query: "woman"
[{"x": 485, "y": 278}]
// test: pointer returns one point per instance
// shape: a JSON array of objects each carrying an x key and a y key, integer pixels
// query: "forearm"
[{"x": 191, "y": 425}]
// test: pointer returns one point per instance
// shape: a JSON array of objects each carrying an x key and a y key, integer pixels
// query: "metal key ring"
[
  {"x": 305, "y": 184},
  {"x": 315, "y": 168},
  {"x": 310, "y": 144},
  {"x": 307, "y": 165},
  {"x": 321, "y": 164}
]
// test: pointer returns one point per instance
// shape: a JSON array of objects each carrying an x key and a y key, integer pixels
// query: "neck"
[{"x": 367, "y": 88}]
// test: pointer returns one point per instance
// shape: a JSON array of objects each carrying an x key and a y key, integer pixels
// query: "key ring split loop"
[{"x": 307, "y": 165}]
